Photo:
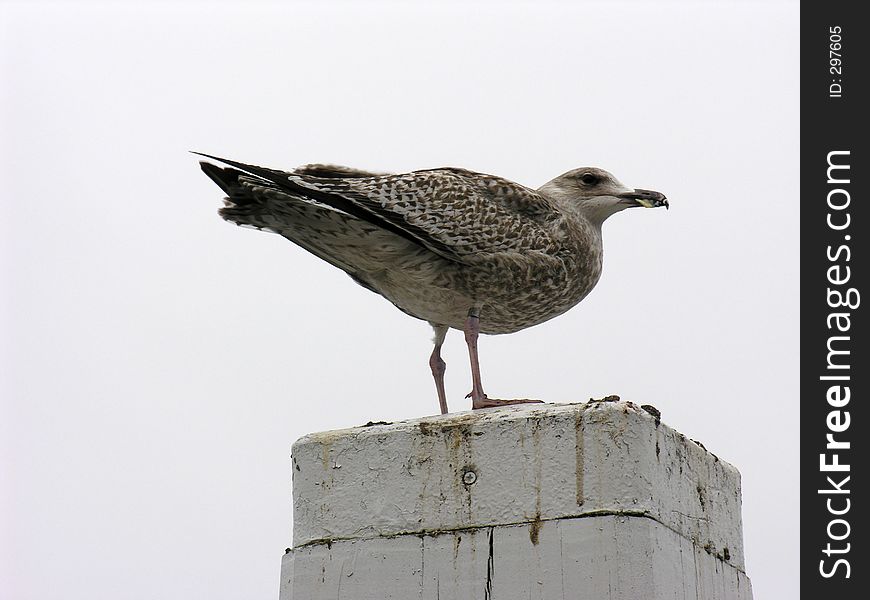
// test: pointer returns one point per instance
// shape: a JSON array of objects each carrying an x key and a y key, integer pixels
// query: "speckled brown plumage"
[{"x": 442, "y": 244}]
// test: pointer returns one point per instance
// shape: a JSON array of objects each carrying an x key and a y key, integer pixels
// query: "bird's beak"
[{"x": 645, "y": 198}]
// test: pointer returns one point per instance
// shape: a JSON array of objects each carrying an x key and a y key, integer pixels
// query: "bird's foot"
[{"x": 485, "y": 402}]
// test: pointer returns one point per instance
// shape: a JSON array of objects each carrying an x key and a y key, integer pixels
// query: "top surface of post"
[{"x": 521, "y": 464}]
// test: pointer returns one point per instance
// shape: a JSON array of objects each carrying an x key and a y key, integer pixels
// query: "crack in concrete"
[{"x": 490, "y": 566}]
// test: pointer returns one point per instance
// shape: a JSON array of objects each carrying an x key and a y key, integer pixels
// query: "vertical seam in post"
[{"x": 580, "y": 467}]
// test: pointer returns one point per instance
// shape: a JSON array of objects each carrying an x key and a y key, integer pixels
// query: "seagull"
[{"x": 459, "y": 249}]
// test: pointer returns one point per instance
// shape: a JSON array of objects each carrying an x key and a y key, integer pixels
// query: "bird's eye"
[{"x": 589, "y": 179}]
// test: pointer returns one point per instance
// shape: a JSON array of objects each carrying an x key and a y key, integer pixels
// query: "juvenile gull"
[{"x": 453, "y": 247}]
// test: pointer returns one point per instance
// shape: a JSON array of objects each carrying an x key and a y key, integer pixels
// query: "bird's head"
[{"x": 597, "y": 194}]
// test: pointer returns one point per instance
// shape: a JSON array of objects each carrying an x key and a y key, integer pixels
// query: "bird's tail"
[
  {"x": 247, "y": 197},
  {"x": 250, "y": 190}
]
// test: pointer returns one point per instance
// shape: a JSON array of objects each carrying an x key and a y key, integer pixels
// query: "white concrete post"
[{"x": 570, "y": 501}]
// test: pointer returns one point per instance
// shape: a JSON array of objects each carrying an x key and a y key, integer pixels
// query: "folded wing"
[{"x": 457, "y": 214}]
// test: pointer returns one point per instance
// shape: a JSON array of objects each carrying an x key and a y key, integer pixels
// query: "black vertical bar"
[{"x": 835, "y": 365}]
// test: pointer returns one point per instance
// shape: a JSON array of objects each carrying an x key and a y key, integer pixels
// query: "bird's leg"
[
  {"x": 478, "y": 398},
  {"x": 438, "y": 366},
  {"x": 472, "y": 331}
]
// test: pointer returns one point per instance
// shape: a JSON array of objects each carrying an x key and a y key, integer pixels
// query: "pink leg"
[
  {"x": 472, "y": 331},
  {"x": 478, "y": 397},
  {"x": 438, "y": 366}
]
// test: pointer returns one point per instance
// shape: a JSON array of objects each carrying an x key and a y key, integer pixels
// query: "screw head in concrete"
[{"x": 469, "y": 477}]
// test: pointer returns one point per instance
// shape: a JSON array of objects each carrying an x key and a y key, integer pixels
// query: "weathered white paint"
[{"x": 594, "y": 500}]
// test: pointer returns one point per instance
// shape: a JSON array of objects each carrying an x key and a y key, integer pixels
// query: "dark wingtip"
[
  {"x": 267, "y": 174},
  {"x": 226, "y": 161},
  {"x": 203, "y": 154}
]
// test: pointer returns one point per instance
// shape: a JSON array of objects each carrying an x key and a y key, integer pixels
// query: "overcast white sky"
[{"x": 157, "y": 363}]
